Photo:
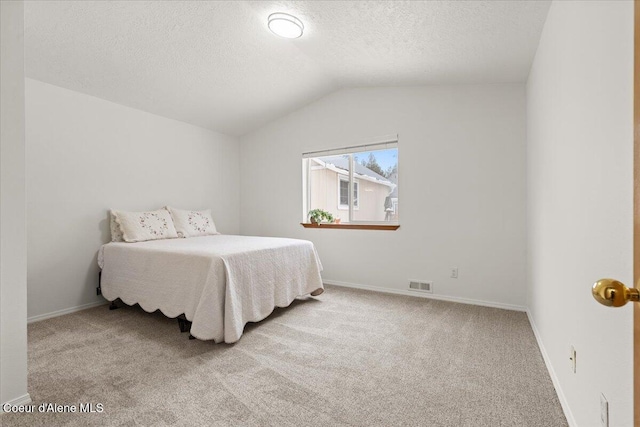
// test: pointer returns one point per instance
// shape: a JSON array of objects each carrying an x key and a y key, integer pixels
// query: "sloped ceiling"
[{"x": 215, "y": 63}]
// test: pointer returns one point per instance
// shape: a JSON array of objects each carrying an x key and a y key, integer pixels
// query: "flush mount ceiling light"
[{"x": 285, "y": 25}]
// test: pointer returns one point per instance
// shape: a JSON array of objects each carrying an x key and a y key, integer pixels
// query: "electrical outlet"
[
  {"x": 572, "y": 359},
  {"x": 454, "y": 272},
  {"x": 604, "y": 411}
]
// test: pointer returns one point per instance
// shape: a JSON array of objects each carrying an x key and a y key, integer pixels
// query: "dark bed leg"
[
  {"x": 191, "y": 337},
  {"x": 183, "y": 323},
  {"x": 113, "y": 305}
]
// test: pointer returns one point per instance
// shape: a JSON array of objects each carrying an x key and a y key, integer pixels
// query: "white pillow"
[
  {"x": 142, "y": 226},
  {"x": 193, "y": 223},
  {"x": 116, "y": 233}
]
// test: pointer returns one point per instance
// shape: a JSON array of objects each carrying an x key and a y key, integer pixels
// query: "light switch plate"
[{"x": 572, "y": 359}]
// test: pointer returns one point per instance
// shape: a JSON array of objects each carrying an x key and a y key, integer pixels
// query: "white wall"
[
  {"x": 461, "y": 189},
  {"x": 13, "y": 238},
  {"x": 580, "y": 155},
  {"x": 85, "y": 156}
]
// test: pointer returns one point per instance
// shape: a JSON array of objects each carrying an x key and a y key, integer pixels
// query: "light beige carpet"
[{"x": 349, "y": 357}]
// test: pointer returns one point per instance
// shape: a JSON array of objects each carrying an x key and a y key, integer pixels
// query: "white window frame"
[{"x": 386, "y": 142}]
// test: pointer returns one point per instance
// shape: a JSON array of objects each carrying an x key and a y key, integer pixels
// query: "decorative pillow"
[
  {"x": 193, "y": 223},
  {"x": 116, "y": 233},
  {"x": 142, "y": 226}
]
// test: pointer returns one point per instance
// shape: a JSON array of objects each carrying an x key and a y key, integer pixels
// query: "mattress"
[{"x": 219, "y": 283}]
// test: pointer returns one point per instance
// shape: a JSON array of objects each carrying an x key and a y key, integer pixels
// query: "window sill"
[{"x": 353, "y": 226}]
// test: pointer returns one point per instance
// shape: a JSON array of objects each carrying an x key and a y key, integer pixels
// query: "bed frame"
[{"x": 183, "y": 323}]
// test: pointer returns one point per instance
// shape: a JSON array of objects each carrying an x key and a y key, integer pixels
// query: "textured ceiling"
[{"x": 215, "y": 64}]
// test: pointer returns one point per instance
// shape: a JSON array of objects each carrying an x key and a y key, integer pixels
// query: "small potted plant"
[{"x": 316, "y": 216}]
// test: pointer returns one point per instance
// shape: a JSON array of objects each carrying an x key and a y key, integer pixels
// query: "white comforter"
[{"x": 219, "y": 282}]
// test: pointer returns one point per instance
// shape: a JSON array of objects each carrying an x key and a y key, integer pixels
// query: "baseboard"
[
  {"x": 22, "y": 400},
  {"x": 554, "y": 378},
  {"x": 427, "y": 295},
  {"x": 64, "y": 311}
]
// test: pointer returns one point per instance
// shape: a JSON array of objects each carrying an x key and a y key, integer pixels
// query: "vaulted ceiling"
[{"x": 215, "y": 63}]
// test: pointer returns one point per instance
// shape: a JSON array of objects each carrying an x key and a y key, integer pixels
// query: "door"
[{"x": 611, "y": 292}]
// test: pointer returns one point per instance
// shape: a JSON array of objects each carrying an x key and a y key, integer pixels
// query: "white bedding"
[{"x": 219, "y": 282}]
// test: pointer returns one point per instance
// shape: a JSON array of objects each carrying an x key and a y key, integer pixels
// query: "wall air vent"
[{"x": 421, "y": 286}]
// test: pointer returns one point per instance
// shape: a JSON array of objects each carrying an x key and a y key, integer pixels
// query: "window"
[
  {"x": 357, "y": 185},
  {"x": 343, "y": 193}
]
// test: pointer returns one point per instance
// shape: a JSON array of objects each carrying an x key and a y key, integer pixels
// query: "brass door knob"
[{"x": 613, "y": 293}]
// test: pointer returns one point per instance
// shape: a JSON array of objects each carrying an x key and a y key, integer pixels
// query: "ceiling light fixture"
[{"x": 285, "y": 25}]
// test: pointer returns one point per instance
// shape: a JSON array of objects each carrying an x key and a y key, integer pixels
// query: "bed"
[{"x": 217, "y": 283}]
